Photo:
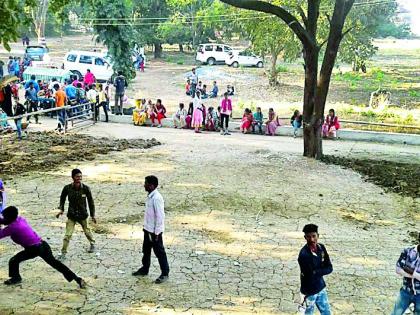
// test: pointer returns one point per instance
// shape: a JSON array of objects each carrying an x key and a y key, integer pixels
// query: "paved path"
[{"x": 235, "y": 209}]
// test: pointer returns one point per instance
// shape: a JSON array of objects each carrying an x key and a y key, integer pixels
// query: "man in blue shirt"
[
  {"x": 215, "y": 90},
  {"x": 33, "y": 81},
  {"x": 314, "y": 263},
  {"x": 31, "y": 96},
  {"x": 70, "y": 91},
  {"x": 408, "y": 266}
]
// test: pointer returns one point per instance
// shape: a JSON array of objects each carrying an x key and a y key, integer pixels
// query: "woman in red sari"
[
  {"x": 247, "y": 120},
  {"x": 159, "y": 113}
]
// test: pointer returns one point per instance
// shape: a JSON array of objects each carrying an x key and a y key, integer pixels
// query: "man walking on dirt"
[
  {"x": 120, "y": 83},
  {"x": 408, "y": 266},
  {"x": 77, "y": 193},
  {"x": 314, "y": 263},
  {"x": 154, "y": 225}
]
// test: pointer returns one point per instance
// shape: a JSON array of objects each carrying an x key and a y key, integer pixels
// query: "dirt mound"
[
  {"x": 401, "y": 178},
  {"x": 47, "y": 150}
]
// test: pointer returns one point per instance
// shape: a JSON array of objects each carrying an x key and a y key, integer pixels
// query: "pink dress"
[
  {"x": 197, "y": 118},
  {"x": 271, "y": 126}
]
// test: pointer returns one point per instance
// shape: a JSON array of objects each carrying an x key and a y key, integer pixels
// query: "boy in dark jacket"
[{"x": 314, "y": 263}]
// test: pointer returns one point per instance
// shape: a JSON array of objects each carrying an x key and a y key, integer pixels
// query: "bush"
[
  {"x": 280, "y": 69},
  {"x": 413, "y": 93}
]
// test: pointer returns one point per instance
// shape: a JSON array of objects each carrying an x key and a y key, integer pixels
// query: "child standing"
[
  {"x": 23, "y": 234},
  {"x": 197, "y": 118},
  {"x": 154, "y": 225},
  {"x": 225, "y": 113}
]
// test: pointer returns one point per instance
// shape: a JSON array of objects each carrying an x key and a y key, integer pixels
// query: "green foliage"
[
  {"x": 414, "y": 93},
  {"x": 280, "y": 69},
  {"x": 119, "y": 39},
  {"x": 13, "y": 15}
]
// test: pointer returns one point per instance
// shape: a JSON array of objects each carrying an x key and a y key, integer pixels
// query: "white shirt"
[
  {"x": 91, "y": 95},
  {"x": 154, "y": 216},
  {"x": 196, "y": 102},
  {"x": 194, "y": 78}
]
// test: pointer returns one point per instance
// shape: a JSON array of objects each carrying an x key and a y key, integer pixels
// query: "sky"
[{"x": 414, "y": 7}]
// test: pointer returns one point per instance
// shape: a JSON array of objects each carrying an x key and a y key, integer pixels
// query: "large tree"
[{"x": 305, "y": 25}]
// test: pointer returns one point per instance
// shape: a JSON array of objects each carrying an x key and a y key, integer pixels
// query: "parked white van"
[
  {"x": 212, "y": 53},
  {"x": 78, "y": 62}
]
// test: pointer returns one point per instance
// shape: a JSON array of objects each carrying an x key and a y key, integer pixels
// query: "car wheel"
[
  {"x": 235, "y": 64},
  {"x": 260, "y": 64},
  {"x": 78, "y": 74},
  {"x": 211, "y": 61}
]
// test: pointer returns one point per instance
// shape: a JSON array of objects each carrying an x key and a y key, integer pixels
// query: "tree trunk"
[
  {"x": 39, "y": 19},
  {"x": 158, "y": 50},
  {"x": 181, "y": 48},
  {"x": 312, "y": 144},
  {"x": 273, "y": 70}
]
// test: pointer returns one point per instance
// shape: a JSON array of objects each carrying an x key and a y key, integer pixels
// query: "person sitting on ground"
[
  {"x": 230, "y": 90},
  {"x": 34, "y": 246},
  {"x": 204, "y": 92},
  {"x": 258, "y": 120},
  {"x": 89, "y": 78},
  {"x": 331, "y": 125},
  {"x": 180, "y": 116},
  {"x": 190, "y": 112},
  {"x": 200, "y": 87},
  {"x": 159, "y": 113},
  {"x": 247, "y": 120},
  {"x": 296, "y": 122},
  {"x": 140, "y": 112},
  {"x": 272, "y": 123},
  {"x": 214, "y": 91},
  {"x": 188, "y": 88},
  {"x": 212, "y": 120}
]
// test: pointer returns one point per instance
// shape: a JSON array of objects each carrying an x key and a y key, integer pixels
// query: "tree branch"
[
  {"x": 282, "y": 13},
  {"x": 303, "y": 16},
  {"x": 345, "y": 33}
]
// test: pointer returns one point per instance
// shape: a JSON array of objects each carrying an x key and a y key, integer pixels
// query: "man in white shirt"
[{"x": 154, "y": 225}]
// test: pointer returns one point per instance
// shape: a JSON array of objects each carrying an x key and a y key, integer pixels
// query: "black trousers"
[
  {"x": 150, "y": 242},
  {"x": 104, "y": 105},
  {"x": 225, "y": 118},
  {"x": 42, "y": 250}
]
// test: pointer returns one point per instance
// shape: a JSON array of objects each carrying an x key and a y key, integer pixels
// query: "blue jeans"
[
  {"x": 18, "y": 123},
  {"x": 403, "y": 302},
  {"x": 320, "y": 300},
  {"x": 296, "y": 125}
]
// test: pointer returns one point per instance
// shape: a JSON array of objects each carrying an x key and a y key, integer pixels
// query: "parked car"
[
  {"x": 212, "y": 53},
  {"x": 78, "y": 62},
  {"x": 244, "y": 58},
  {"x": 38, "y": 54}
]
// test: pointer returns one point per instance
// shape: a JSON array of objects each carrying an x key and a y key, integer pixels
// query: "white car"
[
  {"x": 244, "y": 58},
  {"x": 212, "y": 53},
  {"x": 78, "y": 62}
]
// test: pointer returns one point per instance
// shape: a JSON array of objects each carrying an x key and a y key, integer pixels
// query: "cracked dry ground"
[{"x": 233, "y": 231}]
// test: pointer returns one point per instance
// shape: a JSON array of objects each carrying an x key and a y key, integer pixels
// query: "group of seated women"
[{"x": 145, "y": 110}]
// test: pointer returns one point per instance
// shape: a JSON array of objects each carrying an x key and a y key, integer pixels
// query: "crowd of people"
[{"x": 313, "y": 259}]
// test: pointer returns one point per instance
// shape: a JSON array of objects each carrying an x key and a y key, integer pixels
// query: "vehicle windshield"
[{"x": 36, "y": 50}]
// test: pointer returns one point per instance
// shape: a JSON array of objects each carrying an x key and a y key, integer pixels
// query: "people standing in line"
[
  {"x": 2, "y": 196},
  {"x": 120, "y": 83},
  {"x": 197, "y": 117},
  {"x": 34, "y": 246},
  {"x": 89, "y": 78},
  {"x": 179, "y": 117},
  {"x": 408, "y": 266},
  {"x": 102, "y": 102},
  {"x": 225, "y": 113},
  {"x": 154, "y": 226},
  {"x": 194, "y": 81},
  {"x": 258, "y": 120},
  {"x": 60, "y": 102},
  {"x": 314, "y": 263},
  {"x": 296, "y": 122},
  {"x": 78, "y": 195},
  {"x": 331, "y": 125},
  {"x": 19, "y": 110},
  {"x": 31, "y": 97}
]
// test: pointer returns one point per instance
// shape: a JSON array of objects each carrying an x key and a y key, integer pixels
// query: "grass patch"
[{"x": 219, "y": 236}]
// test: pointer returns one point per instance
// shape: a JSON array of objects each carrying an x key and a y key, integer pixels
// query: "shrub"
[{"x": 280, "y": 69}]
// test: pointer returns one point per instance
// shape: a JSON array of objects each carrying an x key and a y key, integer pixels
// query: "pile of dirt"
[
  {"x": 401, "y": 178},
  {"x": 48, "y": 150}
]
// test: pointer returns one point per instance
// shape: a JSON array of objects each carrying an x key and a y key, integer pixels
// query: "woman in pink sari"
[{"x": 272, "y": 123}]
